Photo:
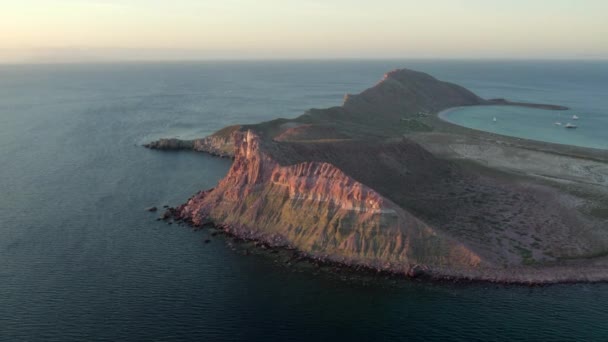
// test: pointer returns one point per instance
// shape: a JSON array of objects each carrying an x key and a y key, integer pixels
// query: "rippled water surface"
[{"x": 81, "y": 260}]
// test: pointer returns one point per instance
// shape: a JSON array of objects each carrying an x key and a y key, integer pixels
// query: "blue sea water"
[
  {"x": 536, "y": 124},
  {"x": 581, "y": 86},
  {"x": 80, "y": 259}
]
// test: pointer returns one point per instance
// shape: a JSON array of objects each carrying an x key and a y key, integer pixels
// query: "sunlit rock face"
[
  {"x": 317, "y": 208},
  {"x": 349, "y": 184}
]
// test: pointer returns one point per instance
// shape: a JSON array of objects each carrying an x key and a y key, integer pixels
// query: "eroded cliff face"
[
  {"x": 321, "y": 211},
  {"x": 343, "y": 184}
]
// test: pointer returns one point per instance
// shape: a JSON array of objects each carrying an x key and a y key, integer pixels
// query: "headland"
[{"x": 382, "y": 182}]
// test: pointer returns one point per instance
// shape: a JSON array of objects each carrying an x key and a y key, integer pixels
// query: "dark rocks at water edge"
[
  {"x": 417, "y": 197},
  {"x": 170, "y": 144},
  {"x": 415, "y": 271},
  {"x": 170, "y": 213},
  {"x": 151, "y": 209}
]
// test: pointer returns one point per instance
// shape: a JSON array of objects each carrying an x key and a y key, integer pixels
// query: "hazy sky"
[{"x": 73, "y": 30}]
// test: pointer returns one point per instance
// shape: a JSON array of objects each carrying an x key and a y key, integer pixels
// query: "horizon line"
[{"x": 312, "y": 59}]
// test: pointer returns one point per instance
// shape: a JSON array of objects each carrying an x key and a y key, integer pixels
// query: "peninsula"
[{"x": 384, "y": 183}]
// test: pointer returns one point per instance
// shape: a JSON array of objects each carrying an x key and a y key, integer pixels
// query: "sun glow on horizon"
[{"x": 76, "y": 30}]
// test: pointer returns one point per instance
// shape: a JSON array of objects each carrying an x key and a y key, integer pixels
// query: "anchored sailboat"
[{"x": 558, "y": 123}]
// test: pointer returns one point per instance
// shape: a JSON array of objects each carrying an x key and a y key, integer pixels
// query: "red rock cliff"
[{"x": 316, "y": 208}]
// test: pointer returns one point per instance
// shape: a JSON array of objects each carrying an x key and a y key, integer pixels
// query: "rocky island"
[{"x": 384, "y": 183}]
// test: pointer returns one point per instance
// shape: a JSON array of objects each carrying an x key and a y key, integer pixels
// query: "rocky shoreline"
[
  {"x": 558, "y": 275},
  {"x": 218, "y": 144},
  {"x": 442, "y": 203}
]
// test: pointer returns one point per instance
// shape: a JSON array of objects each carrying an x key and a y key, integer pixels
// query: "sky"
[{"x": 109, "y": 30}]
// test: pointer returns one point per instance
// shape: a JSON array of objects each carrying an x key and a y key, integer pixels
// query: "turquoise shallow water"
[
  {"x": 535, "y": 124},
  {"x": 80, "y": 260},
  {"x": 579, "y": 85}
]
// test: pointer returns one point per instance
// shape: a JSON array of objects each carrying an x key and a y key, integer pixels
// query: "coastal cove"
[
  {"x": 534, "y": 124},
  {"x": 83, "y": 260}
]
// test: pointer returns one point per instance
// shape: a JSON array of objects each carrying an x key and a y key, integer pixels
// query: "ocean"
[
  {"x": 81, "y": 260},
  {"x": 580, "y": 86}
]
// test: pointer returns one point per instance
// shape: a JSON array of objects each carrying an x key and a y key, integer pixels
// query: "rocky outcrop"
[
  {"x": 343, "y": 184},
  {"x": 218, "y": 144},
  {"x": 321, "y": 211},
  {"x": 170, "y": 144},
  {"x": 215, "y": 145}
]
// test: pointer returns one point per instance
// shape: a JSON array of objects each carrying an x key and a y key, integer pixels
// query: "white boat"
[
  {"x": 558, "y": 123},
  {"x": 569, "y": 125},
  {"x": 574, "y": 117}
]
